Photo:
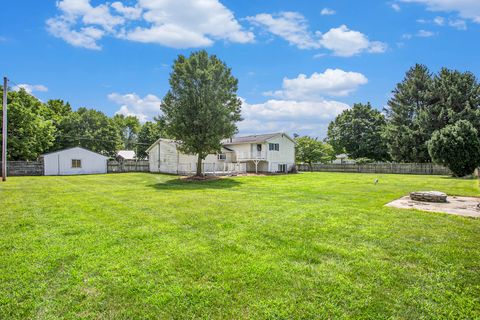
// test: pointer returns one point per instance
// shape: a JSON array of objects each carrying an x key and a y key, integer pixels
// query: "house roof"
[
  {"x": 58, "y": 151},
  {"x": 126, "y": 154},
  {"x": 158, "y": 140},
  {"x": 257, "y": 138}
]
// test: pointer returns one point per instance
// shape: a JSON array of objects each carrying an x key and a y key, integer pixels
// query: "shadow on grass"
[{"x": 179, "y": 184}]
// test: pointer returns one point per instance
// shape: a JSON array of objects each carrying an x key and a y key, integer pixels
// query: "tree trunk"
[{"x": 199, "y": 166}]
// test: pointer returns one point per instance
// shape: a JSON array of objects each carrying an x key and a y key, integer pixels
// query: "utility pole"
[{"x": 4, "y": 130}]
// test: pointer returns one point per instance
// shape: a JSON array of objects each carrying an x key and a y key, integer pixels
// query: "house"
[
  {"x": 125, "y": 155},
  {"x": 75, "y": 160},
  {"x": 274, "y": 152},
  {"x": 343, "y": 159}
]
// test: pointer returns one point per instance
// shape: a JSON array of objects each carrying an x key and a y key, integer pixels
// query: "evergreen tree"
[
  {"x": 456, "y": 146},
  {"x": 456, "y": 96},
  {"x": 405, "y": 138}
]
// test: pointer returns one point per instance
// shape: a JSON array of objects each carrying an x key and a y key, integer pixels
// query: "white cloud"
[
  {"x": 85, "y": 37},
  {"x": 396, "y": 7},
  {"x": 420, "y": 34},
  {"x": 131, "y": 104},
  {"x": 30, "y": 88},
  {"x": 327, "y": 12},
  {"x": 132, "y": 13},
  {"x": 300, "y": 106},
  {"x": 458, "y": 24},
  {"x": 303, "y": 117},
  {"x": 345, "y": 42},
  {"x": 440, "y": 21},
  {"x": 293, "y": 27},
  {"x": 187, "y": 24},
  {"x": 99, "y": 15},
  {"x": 425, "y": 34},
  {"x": 172, "y": 23},
  {"x": 332, "y": 82},
  {"x": 467, "y": 9}
]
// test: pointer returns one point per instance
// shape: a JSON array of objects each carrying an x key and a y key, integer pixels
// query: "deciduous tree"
[
  {"x": 359, "y": 132},
  {"x": 90, "y": 129},
  {"x": 310, "y": 150},
  {"x": 128, "y": 128},
  {"x": 201, "y": 108},
  {"x": 30, "y": 132}
]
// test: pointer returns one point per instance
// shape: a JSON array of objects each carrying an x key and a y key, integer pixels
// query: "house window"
[
  {"x": 221, "y": 156},
  {"x": 274, "y": 147},
  {"x": 282, "y": 168},
  {"x": 259, "y": 147},
  {"x": 76, "y": 163}
]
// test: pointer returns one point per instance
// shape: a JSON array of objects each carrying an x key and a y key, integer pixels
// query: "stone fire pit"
[{"x": 429, "y": 196}]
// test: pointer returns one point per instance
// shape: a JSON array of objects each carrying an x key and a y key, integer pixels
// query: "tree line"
[
  {"x": 35, "y": 127},
  {"x": 429, "y": 118}
]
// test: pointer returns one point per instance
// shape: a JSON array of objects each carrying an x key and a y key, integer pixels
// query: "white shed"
[{"x": 75, "y": 160}]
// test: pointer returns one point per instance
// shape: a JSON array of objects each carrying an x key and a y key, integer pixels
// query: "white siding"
[
  {"x": 164, "y": 157},
  {"x": 60, "y": 162},
  {"x": 285, "y": 155}
]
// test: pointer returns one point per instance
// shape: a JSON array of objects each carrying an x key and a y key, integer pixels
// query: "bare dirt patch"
[{"x": 460, "y": 206}]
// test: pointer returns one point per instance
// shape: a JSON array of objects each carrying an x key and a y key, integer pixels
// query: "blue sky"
[{"x": 299, "y": 63}]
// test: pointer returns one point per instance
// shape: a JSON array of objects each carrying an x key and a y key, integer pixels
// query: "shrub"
[
  {"x": 364, "y": 160},
  {"x": 456, "y": 147}
]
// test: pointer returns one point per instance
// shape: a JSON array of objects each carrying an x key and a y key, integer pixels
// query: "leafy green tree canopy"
[
  {"x": 201, "y": 108},
  {"x": 456, "y": 146},
  {"x": 149, "y": 133},
  {"x": 128, "y": 127},
  {"x": 310, "y": 150},
  {"x": 30, "y": 131},
  {"x": 90, "y": 129},
  {"x": 359, "y": 132}
]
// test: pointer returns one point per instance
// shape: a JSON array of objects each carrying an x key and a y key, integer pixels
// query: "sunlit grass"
[{"x": 312, "y": 245}]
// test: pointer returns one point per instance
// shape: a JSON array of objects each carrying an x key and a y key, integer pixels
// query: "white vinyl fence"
[{"x": 217, "y": 169}]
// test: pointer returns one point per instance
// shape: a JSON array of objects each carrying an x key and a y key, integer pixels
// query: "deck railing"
[{"x": 256, "y": 155}]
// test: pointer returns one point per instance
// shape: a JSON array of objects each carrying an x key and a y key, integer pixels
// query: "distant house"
[
  {"x": 75, "y": 160},
  {"x": 343, "y": 159},
  {"x": 273, "y": 152},
  {"x": 125, "y": 155}
]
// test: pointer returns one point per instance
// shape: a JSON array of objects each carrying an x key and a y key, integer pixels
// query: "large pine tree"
[{"x": 406, "y": 141}]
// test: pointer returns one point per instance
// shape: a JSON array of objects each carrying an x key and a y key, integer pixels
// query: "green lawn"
[{"x": 312, "y": 245}]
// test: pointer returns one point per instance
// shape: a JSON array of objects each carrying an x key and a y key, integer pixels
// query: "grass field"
[{"x": 312, "y": 245}]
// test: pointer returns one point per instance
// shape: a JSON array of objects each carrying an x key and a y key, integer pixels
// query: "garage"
[{"x": 73, "y": 161}]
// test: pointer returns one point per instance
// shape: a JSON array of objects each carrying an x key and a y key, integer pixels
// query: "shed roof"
[
  {"x": 62, "y": 150},
  {"x": 126, "y": 154}
]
